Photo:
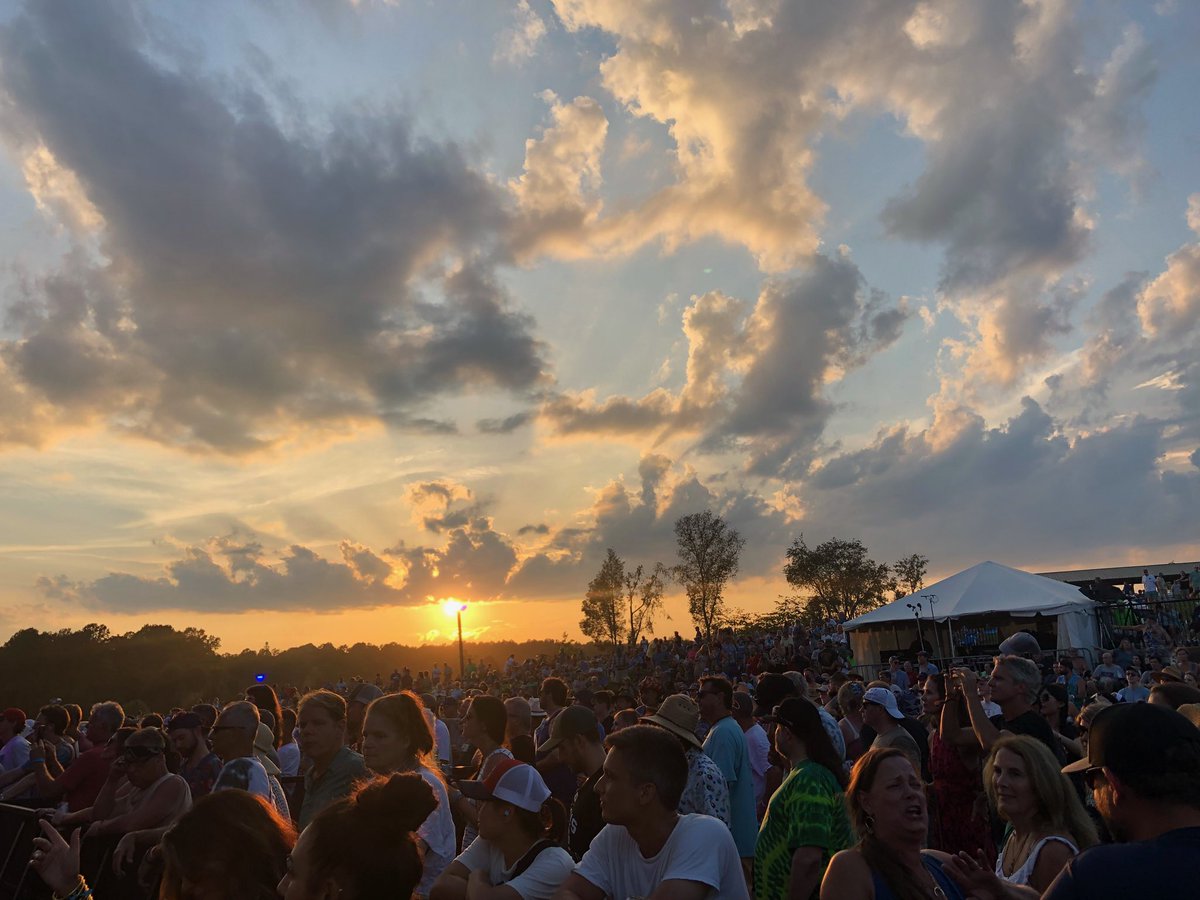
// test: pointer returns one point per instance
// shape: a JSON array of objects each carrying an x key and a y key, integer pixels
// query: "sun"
[{"x": 452, "y": 607}]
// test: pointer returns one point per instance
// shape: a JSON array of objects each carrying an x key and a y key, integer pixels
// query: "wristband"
[{"x": 80, "y": 891}]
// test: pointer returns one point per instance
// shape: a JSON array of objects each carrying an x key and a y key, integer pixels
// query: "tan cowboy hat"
[
  {"x": 1169, "y": 673},
  {"x": 680, "y": 715}
]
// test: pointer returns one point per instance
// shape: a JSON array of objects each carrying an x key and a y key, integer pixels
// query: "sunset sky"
[{"x": 315, "y": 314}]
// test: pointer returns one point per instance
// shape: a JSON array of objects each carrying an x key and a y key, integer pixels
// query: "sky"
[{"x": 316, "y": 314}]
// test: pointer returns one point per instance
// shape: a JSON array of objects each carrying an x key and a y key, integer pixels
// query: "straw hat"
[
  {"x": 1169, "y": 673},
  {"x": 680, "y": 715}
]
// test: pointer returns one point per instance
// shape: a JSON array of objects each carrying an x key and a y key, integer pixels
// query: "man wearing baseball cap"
[
  {"x": 199, "y": 766},
  {"x": 1143, "y": 767},
  {"x": 575, "y": 734},
  {"x": 879, "y": 710}
]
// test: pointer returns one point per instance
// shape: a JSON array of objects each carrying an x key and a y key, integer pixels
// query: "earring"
[{"x": 870, "y": 824}]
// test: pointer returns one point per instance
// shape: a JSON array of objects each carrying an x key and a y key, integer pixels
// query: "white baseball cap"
[
  {"x": 885, "y": 698},
  {"x": 512, "y": 782}
]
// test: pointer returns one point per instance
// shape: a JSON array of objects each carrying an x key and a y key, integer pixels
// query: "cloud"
[
  {"x": 260, "y": 272},
  {"x": 756, "y": 379},
  {"x": 235, "y": 578},
  {"x": 557, "y": 192},
  {"x": 1053, "y": 498},
  {"x": 1006, "y": 97},
  {"x": 519, "y": 41},
  {"x": 507, "y": 425},
  {"x": 1171, "y": 302}
]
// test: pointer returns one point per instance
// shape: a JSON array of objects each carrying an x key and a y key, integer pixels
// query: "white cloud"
[{"x": 519, "y": 41}]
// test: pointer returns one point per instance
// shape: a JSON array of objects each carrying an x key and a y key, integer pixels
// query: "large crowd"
[{"x": 766, "y": 764}]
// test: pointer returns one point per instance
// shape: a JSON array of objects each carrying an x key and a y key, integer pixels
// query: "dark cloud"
[
  {"x": 1023, "y": 490},
  {"x": 539, "y": 528},
  {"x": 265, "y": 269},
  {"x": 506, "y": 425}
]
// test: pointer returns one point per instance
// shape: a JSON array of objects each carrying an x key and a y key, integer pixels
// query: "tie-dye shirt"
[{"x": 808, "y": 810}]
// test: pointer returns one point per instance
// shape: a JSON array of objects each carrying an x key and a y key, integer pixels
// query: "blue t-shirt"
[
  {"x": 1161, "y": 867},
  {"x": 725, "y": 745}
]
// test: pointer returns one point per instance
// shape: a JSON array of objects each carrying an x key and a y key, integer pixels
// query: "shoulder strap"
[{"x": 530, "y": 855}]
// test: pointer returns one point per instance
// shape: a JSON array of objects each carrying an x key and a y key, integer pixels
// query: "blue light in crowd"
[{"x": 260, "y": 677}]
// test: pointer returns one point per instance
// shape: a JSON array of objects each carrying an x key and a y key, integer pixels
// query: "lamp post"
[{"x": 455, "y": 608}]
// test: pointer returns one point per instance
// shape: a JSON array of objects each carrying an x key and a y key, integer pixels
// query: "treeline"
[
  {"x": 157, "y": 666},
  {"x": 836, "y": 579}
]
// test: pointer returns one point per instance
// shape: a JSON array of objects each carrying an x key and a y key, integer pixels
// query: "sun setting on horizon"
[{"x": 338, "y": 322}]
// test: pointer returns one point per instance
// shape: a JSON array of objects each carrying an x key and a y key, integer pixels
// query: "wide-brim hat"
[
  {"x": 264, "y": 748},
  {"x": 678, "y": 714},
  {"x": 1169, "y": 673}
]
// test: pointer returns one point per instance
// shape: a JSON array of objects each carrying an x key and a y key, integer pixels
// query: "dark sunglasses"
[
  {"x": 1091, "y": 775},
  {"x": 217, "y": 728}
]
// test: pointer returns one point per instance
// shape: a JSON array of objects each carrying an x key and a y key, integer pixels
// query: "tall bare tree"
[
  {"x": 709, "y": 551},
  {"x": 603, "y": 616},
  {"x": 644, "y": 598}
]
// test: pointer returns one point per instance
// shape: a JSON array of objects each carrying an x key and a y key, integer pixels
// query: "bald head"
[
  {"x": 240, "y": 714},
  {"x": 520, "y": 716}
]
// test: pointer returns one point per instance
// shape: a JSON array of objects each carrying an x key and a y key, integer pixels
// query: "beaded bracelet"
[{"x": 80, "y": 891}]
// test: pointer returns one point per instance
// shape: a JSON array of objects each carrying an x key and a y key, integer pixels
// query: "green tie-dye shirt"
[{"x": 808, "y": 810}]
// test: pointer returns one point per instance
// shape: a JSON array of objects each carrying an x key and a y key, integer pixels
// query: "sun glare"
[{"x": 453, "y": 607}]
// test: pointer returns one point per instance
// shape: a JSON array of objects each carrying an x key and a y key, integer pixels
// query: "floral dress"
[
  {"x": 957, "y": 822},
  {"x": 706, "y": 790}
]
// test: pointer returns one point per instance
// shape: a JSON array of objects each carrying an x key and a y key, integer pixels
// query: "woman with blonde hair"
[{"x": 1049, "y": 826}]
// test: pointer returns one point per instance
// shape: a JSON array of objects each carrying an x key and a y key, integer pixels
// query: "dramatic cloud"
[
  {"x": 755, "y": 381},
  {"x": 1002, "y": 93},
  {"x": 259, "y": 272}
]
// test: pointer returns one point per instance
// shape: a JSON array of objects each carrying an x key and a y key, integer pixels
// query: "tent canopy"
[{"x": 982, "y": 589}]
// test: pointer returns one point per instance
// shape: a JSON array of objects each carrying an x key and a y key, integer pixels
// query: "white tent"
[{"x": 985, "y": 590}]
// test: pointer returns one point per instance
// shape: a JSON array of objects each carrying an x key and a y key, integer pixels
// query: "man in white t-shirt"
[
  {"x": 756, "y": 742},
  {"x": 646, "y": 845}
]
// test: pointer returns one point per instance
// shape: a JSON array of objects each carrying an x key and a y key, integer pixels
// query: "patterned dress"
[
  {"x": 706, "y": 791},
  {"x": 954, "y": 824}
]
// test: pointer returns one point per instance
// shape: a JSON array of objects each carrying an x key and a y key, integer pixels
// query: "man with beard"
[{"x": 199, "y": 766}]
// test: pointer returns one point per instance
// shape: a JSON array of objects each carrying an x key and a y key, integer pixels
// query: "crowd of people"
[{"x": 764, "y": 764}]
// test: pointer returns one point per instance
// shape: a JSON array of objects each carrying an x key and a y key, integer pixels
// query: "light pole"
[{"x": 455, "y": 608}]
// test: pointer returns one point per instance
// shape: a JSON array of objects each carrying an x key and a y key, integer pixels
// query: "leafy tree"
[
  {"x": 909, "y": 575},
  {"x": 709, "y": 551},
  {"x": 603, "y": 618},
  {"x": 841, "y": 580},
  {"x": 644, "y": 597}
]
